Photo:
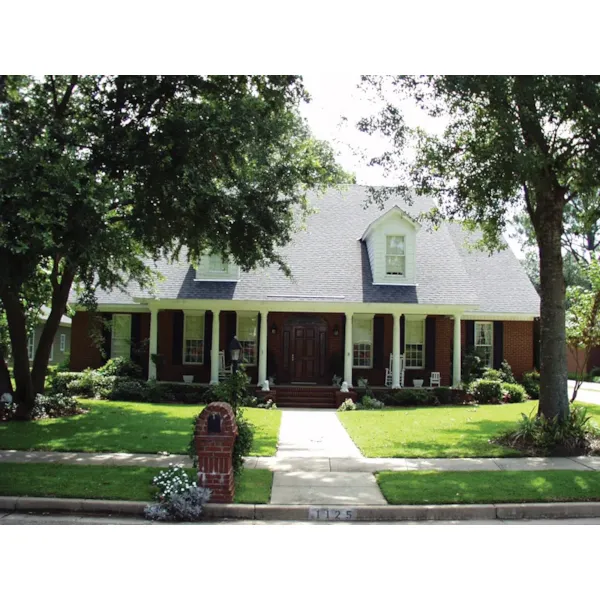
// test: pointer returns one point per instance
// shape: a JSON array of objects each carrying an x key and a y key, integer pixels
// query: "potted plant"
[
  {"x": 336, "y": 380},
  {"x": 418, "y": 383},
  {"x": 362, "y": 382},
  {"x": 188, "y": 378}
]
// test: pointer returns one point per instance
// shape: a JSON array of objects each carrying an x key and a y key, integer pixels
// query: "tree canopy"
[
  {"x": 509, "y": 143},
  {"x": 98, "y": 173}
]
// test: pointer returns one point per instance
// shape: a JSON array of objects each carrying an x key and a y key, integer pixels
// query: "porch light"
[
  {"x": 273, "y": 329},
  {"x": 234, "y": 349},
  {"x": 336, "y": 330}
]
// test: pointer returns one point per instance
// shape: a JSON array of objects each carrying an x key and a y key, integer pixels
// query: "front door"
[{"x": 304, "y": 353}]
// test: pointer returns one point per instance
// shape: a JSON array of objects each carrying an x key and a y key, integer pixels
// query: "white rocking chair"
[
  {"x": 435, "y": 379},
  {"x": 389, "y": 371},
  {"x": 224, "y": 371}
]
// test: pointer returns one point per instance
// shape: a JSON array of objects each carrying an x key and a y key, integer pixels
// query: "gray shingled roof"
[{"x": 330, "y": 263}]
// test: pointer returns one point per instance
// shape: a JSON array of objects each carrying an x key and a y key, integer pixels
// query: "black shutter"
[
  {"x": 258, "y": 340},
  {"x": 107, "y": 334},
  {"x": 378, "y": 342},
  {"x": 402, "y": 334},
  {"x": 208, "y": 320},
  {"x": 136, "y": 334},
  {"x": 498, "y": 343},
  {"x": 230, "y": 331},
  {"x": 430, "y": 343},
  {"x": 177, "y": 348},
  {"x": 470, "y": 325},
  {"x": 536, "y": 343}
]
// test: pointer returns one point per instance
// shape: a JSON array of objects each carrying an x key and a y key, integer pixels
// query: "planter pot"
[
  {"x": 188, "y": 378},
  {"x": 418, "y": 383}
]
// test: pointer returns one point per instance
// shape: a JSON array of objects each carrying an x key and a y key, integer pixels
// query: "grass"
[
  {"x": 111, "y": 483},
  {"x": 483, "y": 487},
  {"x": 429, "y": 432},
  {"x": 111, "y": 426}
]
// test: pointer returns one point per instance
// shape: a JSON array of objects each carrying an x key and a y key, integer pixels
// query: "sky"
[{"x": 336, "y": 106}]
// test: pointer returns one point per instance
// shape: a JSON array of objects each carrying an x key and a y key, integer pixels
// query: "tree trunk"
[
  {"x": 17, "y": 328},
  {"x": 554, "y": 395},
  {"x": 5, "y": 382},
  {"x": 60, "y": 295}
]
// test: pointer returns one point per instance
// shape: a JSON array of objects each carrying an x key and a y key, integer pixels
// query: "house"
[
  {"x": 371, "y": 288},
  {"x": 61, "y": 346}
]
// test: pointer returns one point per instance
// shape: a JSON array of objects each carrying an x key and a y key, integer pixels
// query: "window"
[
  {"x": 246, "y": 335},
  {"x": 63, "y": 342},
  {"x": 30, "y": 345},
  {"x": 51, "y": 352},
  {"x": 395, "y": 259},
  {"x": 414, "y": 343},
  {"x": 193, "y": 339},
  {"x": 362, "y": 342},
  {"x": 484, "y": 342},
  {"x": 121, "y": 336},
  {"x": 216, "y": 264}
]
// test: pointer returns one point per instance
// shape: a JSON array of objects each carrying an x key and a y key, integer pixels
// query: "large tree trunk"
[
  {"x": 554, "y": 395},
  {"x": 17, "y": 328}
]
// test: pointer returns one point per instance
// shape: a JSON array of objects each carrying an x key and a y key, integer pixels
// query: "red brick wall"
[
  {"x": 518, "y": 346},
  {"x": 444, "y": 336},
  {"x": 84, "y": 353}
]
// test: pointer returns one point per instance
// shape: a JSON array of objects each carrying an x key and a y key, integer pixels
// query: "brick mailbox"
[{"x": 215, "y": 435}]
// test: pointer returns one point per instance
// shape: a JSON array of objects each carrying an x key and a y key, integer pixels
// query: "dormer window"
[
  {"x": 395, "y": 258},
  {"x": 216, "y": 264}
]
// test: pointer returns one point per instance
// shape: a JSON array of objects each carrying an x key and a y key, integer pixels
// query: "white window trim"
[
  {"x": 237, "y": 329},
  {"x": 394, "y": 275},
  {"x": 30, "y": 356},
  {"x": 63, "y": 342},
  {"x": 413, "y": 318},
  {"x": 112, "y": 336},
  {"x": 51, "y": 352},
  {"x": 475, "y": 345},
  {"x": 363, "y": 318},
  {"x": 193, "y": 313}
]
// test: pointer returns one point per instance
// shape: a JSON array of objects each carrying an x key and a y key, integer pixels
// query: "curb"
[{"x": 305, "y": 512}]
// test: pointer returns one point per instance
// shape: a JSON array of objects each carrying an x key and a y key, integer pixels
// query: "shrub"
[
  {"x": 444, "y": 395},
  {"x": 85, "y": 384},
  {"x": 492, "y": 374},
  {"x": 268, "y": 405},
  {"x": 347, "y": 404},
  {"x": 60, "y": 380},
  {"x": 506, "y": 371},
  {"x": 513, "y": 392},
  {"x": 176, "y": 392},
  {"x": 531, "y": 383},
  {"x": 233, "y": 390},
  {"x": 486, "y": 391},
  {"x": 64, "y": 365},
  {"x": 409, "y": 397},
  {"x": 369, "y": 403},
  {"x": 121, "y": 367},
  {"x": 472, "y": 366},
  {"x": 126, "y": 389},
  {"x": 594, "y": 372},
  {"x": 242, "y": 444},
  {"x": 179, "y": 499},
  {"x": 551, "y": 436}
]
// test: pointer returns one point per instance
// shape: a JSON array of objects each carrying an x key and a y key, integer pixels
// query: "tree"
[
  {"x": 583, "y": 321},
  {"x": 510, "y": 143},
  {"x": 100, "y": 174}
]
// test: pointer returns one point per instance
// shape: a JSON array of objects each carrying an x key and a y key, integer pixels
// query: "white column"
[
  {"x": 153, "y": 348},
  {"x": 456, "y": 358},
  {"x": 348, "y": 351},
  {"x": 262, "y": 349},
  {"x": 396, "y": 352},
  {"x": 214, "y": 348}
]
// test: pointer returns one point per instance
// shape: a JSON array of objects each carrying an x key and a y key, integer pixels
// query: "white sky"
[{"x": 335, "y": 97}]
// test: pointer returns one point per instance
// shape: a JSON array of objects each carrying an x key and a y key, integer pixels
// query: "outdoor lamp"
[
  {"x": 234, "y": 349},
  {"x": 273, "y": 329},
  {"x": 336, "y": 330}
]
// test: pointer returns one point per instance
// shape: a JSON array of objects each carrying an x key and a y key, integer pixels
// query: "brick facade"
[{"x": 84, "y": 353}]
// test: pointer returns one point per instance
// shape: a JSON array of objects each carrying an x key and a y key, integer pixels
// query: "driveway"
[{"x": 588, "y": 392}]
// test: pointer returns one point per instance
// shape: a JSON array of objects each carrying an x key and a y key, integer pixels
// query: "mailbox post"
[{"x": 216, "y": 430}]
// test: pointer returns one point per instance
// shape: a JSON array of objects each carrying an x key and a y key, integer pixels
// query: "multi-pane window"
[
  {"x": 63, "y": 342},
  {"x": 121, "y": 336},
  {"x": 362, "y": 342},
  {"x": 247, "y": 335},
  {"x": 193, "y": 339},
  {"x": 395, "y": 259},
  {"x": 414, "y": 343},
  {"x": 216, "y": 264},
  {"x": 51, "y": 352},
  {"x": 30, "y": 345},
  {"x": 484, "y": 342}
]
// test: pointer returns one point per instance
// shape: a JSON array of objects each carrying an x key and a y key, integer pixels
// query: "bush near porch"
[
  {"x": 429, "y": 432},
  {"x": 113, "y": 426}
]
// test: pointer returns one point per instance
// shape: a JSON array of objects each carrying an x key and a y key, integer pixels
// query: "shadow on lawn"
[{"x": 115, "y": 427}]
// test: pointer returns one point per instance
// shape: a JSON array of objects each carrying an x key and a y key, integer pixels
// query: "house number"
[{"x": 331, "y": 514}]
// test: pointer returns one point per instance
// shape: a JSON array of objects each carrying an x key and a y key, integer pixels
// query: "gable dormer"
[
  {"x": 391, "y": 244},
  {"x": 212, "y": 267}
]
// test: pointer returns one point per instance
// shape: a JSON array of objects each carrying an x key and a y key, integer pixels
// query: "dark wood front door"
[{"x": 304, "y": 350}]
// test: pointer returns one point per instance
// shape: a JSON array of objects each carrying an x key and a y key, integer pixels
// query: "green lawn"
[
  {"x": 439, "y": 431},
  {"x": 111, "y": 483},
  {"x": 484, "y": 487},
  {"x": 129, "y": 427}
]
